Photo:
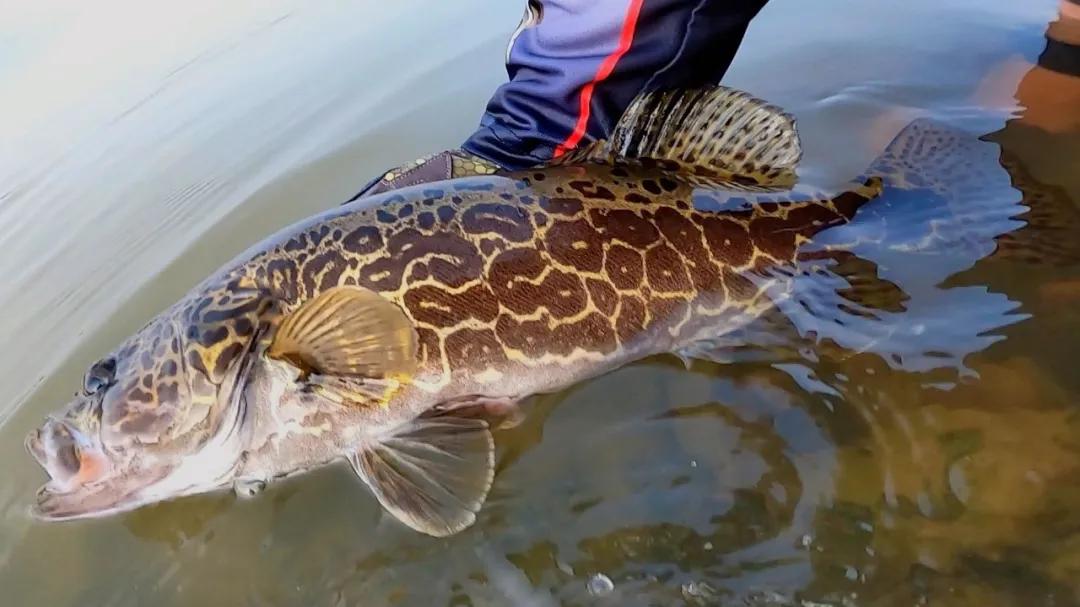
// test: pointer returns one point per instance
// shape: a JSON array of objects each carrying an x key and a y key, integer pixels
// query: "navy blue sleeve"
[{"x": 575, "y": 65}]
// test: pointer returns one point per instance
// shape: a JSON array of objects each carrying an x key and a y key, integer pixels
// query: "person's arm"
[{"x": 575, "y": 65}]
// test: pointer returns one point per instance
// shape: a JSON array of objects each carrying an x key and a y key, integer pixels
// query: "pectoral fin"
[
  {"x": 348, "y": 332},
  {"x": 434, "y": 474}
]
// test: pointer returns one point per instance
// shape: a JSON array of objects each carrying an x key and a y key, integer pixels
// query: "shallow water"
[{"x": 135, "y": 160}]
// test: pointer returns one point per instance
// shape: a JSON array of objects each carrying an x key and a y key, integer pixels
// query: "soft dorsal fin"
[
  {"x": 348, "y": 332},
  {"x": 712, "y": 136}
]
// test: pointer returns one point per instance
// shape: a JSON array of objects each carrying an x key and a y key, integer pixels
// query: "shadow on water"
[{"x": 903, "y": 431}]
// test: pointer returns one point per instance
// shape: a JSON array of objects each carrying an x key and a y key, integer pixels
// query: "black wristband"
[{"x": 1061, "y": 57}]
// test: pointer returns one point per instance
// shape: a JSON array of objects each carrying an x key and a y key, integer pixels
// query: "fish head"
[{"x": 160, "y": 417}]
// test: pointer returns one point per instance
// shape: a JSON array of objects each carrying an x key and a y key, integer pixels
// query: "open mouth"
[
  {"x": 63, "y": 497},
  {"x": 47, "y": 495}
]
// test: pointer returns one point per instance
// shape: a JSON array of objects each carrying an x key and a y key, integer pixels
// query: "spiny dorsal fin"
[
  {"x": 712, "y": 136},
  {"x": 349, "y": 332}
]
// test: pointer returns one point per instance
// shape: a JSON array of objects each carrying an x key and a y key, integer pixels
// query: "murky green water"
[{"x": 862, "y": 484}]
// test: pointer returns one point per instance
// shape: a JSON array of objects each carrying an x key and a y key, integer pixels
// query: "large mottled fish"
[{"x": 394, "y": 331}]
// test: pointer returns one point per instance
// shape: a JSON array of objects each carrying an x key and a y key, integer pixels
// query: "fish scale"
[{"x": 572, "y": 270}]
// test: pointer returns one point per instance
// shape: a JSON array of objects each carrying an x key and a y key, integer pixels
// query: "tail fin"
[
  {"x": 712, "y": 137},
  {"x": 946, "y": 197},
  {"x": 945, "y": 200}
]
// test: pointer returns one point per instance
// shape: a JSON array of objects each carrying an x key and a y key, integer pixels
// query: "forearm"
[{"x": 573, "y": 73}]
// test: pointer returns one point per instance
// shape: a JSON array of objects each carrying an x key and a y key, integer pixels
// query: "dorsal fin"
[{"x": 712, "y": 136}]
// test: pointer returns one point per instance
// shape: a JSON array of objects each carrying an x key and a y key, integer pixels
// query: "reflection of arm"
[
  {"x": 1062, "y": 52},
  {"x": 1039, "y": 149},
  {"x": 1050, "y": 92},
  {"x": 575, "y": 65}
]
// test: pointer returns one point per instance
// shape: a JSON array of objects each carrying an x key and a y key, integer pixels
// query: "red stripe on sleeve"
[{"x": 605, "y": 69}]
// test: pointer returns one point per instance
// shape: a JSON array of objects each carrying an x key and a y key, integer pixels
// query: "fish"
[{"x": 397, "y": 331}]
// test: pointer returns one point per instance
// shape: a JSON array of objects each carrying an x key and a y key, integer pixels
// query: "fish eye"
[{"x": 101, "y": 375}]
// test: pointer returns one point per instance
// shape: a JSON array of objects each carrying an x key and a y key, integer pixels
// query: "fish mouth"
[{"x": 58, "y": 500}]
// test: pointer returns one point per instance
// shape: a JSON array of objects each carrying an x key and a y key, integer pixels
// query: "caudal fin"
[{"x": 946, "y": 199}]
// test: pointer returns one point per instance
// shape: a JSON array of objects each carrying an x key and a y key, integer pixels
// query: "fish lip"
[
  {"x": 51, "y": 505},
  {"x": 36, "y": 448}
]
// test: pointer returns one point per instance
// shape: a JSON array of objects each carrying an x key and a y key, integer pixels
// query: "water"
[{"x": 167, "y": 147}]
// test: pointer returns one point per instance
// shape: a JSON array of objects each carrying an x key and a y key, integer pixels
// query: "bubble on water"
[
  {"x": 958, "y": 483},
  {"x": 708, "y": 545},
  {"x": 851, "y": 573},
  {"x": 778, "y": 493},
  {"x": 767, "y": 598},
  {"x": 600, "y": 585},
  {"x": 699, "y": 592},
  {"x": 925, "y": 505}
]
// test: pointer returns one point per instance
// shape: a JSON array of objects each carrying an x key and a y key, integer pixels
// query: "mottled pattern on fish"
[
  {"x": 552, "y": 267},
  {"x": 502, "y": 274}
]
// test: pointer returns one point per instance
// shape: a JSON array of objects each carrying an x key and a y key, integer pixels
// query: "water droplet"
[
  {"x": 851, "y": 573},
  {"x": 600, "y": 585}
]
